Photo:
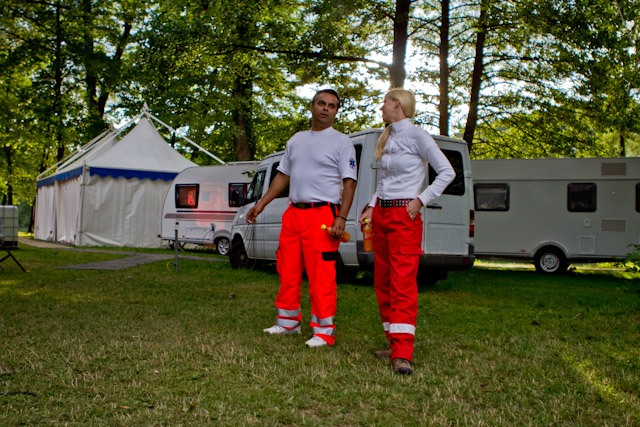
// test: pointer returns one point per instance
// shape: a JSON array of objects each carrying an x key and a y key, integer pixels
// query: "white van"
[
  {"x": 557, "y": 211},
  {"x": 202, "y": 202},
  {"x": 447, "y": 238}
]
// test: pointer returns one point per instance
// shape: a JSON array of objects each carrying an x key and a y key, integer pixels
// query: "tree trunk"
[
  {"x": 623, "y": 148},
  {"x": 8, "y": 198},
  {"x": 94, "y": 116},
  {"x": 444, "y": 70},
  {"x": 242, "y": 116},
  {"x": 476, "y": 78},
  {"x": 397, "y": 72},
  {"x": 57, "y": 100}
]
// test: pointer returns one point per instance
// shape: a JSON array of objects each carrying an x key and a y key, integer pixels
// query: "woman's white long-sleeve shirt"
[{"x": 404, "y": 165}]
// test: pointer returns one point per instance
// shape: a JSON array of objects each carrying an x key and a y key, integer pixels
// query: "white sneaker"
[
  {"x": 315, "y": 342},
  {"x": 279, "y": 330}
]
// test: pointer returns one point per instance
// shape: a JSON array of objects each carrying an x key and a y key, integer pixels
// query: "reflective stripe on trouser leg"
[
  {"x": 320, "y": 256},
  {"x": 290, "y": 267},
  {"x": 288, "y": 318},
  {"x": 396, "y": 286}
]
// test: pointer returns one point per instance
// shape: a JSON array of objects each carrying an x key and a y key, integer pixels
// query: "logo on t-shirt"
[{"x": 352, "y": 163}]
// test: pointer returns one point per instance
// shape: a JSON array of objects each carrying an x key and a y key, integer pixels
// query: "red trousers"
[
  {"x": 304, "y": 245},
  {"x": 397, "y": 246}
]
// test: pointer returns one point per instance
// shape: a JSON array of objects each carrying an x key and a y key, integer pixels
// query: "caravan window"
[
  {"x": 491, "y": 197},
  {"x": 187, "y": 196},
  {"x": 274, "y": 172},
  {"x": 237, "y": 193},
  {"x": 456, "y": 188},
  {"x": 582, "y": 197}
]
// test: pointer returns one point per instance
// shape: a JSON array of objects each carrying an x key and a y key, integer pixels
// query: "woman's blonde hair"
[{"x": 407, "y": 103}]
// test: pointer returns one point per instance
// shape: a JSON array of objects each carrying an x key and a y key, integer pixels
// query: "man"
[{"x": 319, "y": 166}]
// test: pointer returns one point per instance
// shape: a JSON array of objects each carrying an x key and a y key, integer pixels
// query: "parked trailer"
[
  {"x": 202, "y": 202},
  {"x": 557, "y": 211},
  {"x": 447, "y": 240}
]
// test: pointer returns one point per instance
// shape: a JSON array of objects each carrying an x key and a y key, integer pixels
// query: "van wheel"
[
  {"x": 238, "y": 256},
  {"x": 223, "y": 246},
  {"x": 430, "y": 276},
  {"x": 550, "y": 260}
]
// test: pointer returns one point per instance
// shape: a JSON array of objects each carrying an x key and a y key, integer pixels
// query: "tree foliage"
[{"x": 532, "y": 78}]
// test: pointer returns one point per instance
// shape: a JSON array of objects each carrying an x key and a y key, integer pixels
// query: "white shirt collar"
[{"x": 401, "y": 125}]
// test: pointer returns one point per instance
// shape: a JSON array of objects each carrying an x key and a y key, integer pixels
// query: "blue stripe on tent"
[
  {"x": 129, "y": 174},
  {"x": 60, "y": 177},
  {"x": 45, "y": 182},
  {"x": 68, "y": 175}
]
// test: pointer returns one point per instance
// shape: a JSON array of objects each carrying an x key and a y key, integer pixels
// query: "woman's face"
[{"x": 391, "y": 110}]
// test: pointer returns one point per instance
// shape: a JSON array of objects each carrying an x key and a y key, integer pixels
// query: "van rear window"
[
  {"x": 456, "y": 188},
  {"x": 187, "y": 196},
  {"x": 582, "y": 197},
  {"x": 491, "y": 197}
]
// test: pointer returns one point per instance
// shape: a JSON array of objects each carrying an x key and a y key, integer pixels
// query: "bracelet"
[{"x": 345, "y": 219}]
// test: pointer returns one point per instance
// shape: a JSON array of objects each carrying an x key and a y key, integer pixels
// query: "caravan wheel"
[
  {"x": 223, "y": 246},
  {"x": 550, "y": 260}
]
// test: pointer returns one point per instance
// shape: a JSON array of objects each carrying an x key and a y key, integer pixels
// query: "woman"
[{"x": 404, "y": 152}]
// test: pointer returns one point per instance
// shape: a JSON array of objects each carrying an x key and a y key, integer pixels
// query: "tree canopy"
[{"x": 532, "y": 78}]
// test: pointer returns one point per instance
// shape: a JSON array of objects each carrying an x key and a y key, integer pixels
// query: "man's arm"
[
  {"x": 277, "y": 186},
  {"x": 348, "y": 191}
]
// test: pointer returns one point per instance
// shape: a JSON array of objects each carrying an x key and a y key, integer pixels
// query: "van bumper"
[{"x": 447, "y": 262}]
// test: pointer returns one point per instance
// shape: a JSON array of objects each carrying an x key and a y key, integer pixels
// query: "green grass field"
[{"x": 147, "y": 346}]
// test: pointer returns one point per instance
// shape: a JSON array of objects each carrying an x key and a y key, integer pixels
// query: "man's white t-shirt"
[{"x": 316, "y": 163}]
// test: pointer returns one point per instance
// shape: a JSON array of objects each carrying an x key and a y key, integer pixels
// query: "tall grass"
[{"x": 147, "y": 346}]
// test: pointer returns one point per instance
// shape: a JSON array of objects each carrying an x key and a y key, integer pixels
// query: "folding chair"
[{"x": 9, "y": 255}]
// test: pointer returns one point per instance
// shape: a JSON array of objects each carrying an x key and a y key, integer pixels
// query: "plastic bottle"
[
  {"x": 367, "y": 236},
  {"x": 345, "y": 236}
]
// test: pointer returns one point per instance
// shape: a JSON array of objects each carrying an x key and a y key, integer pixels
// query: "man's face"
[{"x": 324, "y": 110}]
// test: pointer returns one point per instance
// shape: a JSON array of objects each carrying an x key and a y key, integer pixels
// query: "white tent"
[{"x": 111, "y": 192}]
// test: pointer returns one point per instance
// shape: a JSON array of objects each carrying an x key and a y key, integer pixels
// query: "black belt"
[
  {"x": 393, "y": 203},
  {"x": 305, "y": 205}
]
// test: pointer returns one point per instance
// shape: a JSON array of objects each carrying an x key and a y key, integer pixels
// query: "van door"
[
  {"x": 272, "y": 217},
  {"x": 254, "y": 234},
  {"x": 447, "y": 217}
]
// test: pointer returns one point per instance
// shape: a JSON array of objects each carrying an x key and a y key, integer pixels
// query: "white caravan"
[
  {"x": 447, "y": 238},
  {"x": 202, "y": 202},
  {"x": 557, "y": 211}
]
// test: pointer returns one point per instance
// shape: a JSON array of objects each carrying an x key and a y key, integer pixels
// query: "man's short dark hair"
[{"x": 330, "y": 92}]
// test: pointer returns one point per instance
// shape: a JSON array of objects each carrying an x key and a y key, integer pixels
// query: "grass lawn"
[{"x": 147, "y": 346}]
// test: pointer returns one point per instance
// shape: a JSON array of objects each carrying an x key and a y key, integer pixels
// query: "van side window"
[
  {"x": 274, "y": 172},
  {"x": 255, "y": 189},
  {"x": 187, "y": 196},
  {"x": 358, "y": 148},
  {"x": 491, "y": 197},
  {"x": 637, "y": 197},
  {"x": 582, "y": 197},
  {"x": 456, "y": 188}
]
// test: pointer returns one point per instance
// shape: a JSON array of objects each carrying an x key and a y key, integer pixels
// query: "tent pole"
[{"x": 151, "y": 116}]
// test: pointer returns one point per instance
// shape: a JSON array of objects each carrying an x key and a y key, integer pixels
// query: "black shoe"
[{"x": 401, "y": 366}]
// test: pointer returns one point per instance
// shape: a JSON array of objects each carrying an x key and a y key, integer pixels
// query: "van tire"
[
  {"x": 223, "y": 246},
  {"x": 550, "y": 260},
  {"x": 430, "y": 276},
  {"x": 238, "y": 255}
]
